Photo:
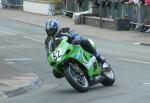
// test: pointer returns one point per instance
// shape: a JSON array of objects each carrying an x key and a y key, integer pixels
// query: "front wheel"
[
  {"x": 75, "y": 76},
  {"x": 109, "y": 77}
]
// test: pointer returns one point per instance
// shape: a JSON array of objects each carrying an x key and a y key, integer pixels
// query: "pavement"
[
  {"x": 15, "y": 81},
  {"x": 12, "y": 85},
  {"x": 40, "y": 20}
]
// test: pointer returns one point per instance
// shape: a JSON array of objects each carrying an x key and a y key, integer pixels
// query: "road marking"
[
  {"x": 17, "y": 59},
  {"x": 26, "y": 77},
  {"x": 10, "y": 30},
  {"x": 132, "y": 60},
  {"x": 33, "y": 39},
  {"x": 15, "y": 47},
  {"x": 146, "y": 83},
  {"x": 10, "y": 62},
  {"x": 136, "y": 43},
  {"x": 6, "y": 33},
  {"x": 142, "y": 43}
]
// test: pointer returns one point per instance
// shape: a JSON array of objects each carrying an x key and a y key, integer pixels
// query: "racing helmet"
[{"x": 51, "y": 27}]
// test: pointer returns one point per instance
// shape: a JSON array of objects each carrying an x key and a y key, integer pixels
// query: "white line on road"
[
  {"x": 146, "y": 83},
  {"x": 17, "y": 59},
  {"x": 33, "y": 39},
  {"x": 6, "y": 33},
  {"x": 10, "y": 30},
  {"x": 132, "y": 60},
  {"x": 136, "y": 43}
]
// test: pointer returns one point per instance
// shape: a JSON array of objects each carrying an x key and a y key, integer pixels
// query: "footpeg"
[{"x": 105, "y": 65}]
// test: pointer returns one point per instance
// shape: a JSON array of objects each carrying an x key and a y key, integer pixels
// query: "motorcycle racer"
[{"x": 53, "y": 31}]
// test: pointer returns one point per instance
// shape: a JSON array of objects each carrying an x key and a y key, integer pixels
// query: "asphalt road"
[{"x": 22, "y": 45}]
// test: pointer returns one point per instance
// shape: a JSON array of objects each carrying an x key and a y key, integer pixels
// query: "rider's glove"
[{"x": 76, "y": 39}]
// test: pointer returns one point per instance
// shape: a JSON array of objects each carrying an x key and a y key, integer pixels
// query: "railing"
[
  {"x": 137, "y": 14},
  {"x": 11, "y": 3},
  {"x": 70, "y": 5}
]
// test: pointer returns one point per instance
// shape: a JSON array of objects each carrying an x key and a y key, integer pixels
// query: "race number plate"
[{"x": 57, "y": 54}]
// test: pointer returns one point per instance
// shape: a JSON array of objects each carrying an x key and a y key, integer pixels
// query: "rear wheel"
[
  {"x": 109, "y": 77},
  {"x": 75, "y": 76}
]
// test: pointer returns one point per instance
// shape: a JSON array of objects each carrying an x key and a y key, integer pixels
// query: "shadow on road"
[
  {"x": 73, "y": 91},
  {"x": 67, "y": 91}
]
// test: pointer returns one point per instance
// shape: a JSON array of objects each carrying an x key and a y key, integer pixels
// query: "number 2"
[{"x": 56, "y": 55}]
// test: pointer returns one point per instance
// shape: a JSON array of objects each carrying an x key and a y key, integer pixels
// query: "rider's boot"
[{"x": 102, "y": 62}]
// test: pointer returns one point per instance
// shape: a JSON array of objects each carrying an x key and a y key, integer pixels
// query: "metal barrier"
[
  {"x": 11, "y": 3},
  {"x": 71, "y": 6},
  {"x": 137, "y": 14},
  {"x": 52, "y": 8}
]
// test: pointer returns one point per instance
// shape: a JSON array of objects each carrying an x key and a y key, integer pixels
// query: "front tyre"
[
  {"x": 76, "y": 78},
  {"x": 109, "y": 77}
]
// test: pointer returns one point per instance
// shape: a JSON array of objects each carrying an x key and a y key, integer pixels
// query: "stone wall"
[
  {"x": 118, "y": 24},
  {"x": 95, "y": 21}
]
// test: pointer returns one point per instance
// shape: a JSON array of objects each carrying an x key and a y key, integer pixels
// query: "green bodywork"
[{"x": 65, "y": 51}]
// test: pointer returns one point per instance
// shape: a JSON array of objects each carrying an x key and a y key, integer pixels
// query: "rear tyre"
[{"x": 76, "y": 78}]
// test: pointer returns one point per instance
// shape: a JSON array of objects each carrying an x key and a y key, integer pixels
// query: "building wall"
[{"x": 36, "y": 7}]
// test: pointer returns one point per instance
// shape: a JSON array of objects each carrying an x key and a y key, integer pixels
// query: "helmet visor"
[{"x": 51, "y": 32}]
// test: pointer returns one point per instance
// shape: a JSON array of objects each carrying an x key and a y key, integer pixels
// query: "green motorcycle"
[{"x": 79, "y": 67}]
